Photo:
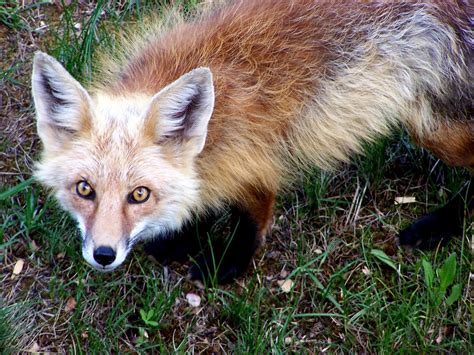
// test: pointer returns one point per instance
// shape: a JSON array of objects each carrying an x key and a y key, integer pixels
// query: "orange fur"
[
  {"x": 290, "y": 84},
  {"x": 453, "y": 142}
]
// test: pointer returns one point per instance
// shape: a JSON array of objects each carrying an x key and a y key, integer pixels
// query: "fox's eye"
[
  {"x": 139, "y": 195},
  {"x": 85, "y": 190}
]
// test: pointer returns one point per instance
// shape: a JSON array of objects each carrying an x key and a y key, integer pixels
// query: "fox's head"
[{"x": 122, "y": 165}]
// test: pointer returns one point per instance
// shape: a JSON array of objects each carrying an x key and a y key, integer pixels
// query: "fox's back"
[{"x": 275, "y": 48}]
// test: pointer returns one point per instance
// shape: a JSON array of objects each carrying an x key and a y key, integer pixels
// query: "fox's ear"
[
  {"x": 62, "y": 104},
  {"x": 179, "y": 113}
]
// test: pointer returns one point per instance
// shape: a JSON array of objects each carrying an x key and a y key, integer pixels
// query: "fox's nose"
[{"x": 104, "y": 255}]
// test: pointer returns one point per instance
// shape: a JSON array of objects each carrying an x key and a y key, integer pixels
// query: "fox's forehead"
[
  {"x": 117, "y": 150},
  {"x": 119, "y": 114},
  {"x": 114, "y": 149},
  {"x": 116, "y": 167}
]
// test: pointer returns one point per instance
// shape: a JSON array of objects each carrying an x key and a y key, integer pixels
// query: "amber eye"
[
  {"x": 139, "y": 195},
  {"x": 85, "y": 190}
]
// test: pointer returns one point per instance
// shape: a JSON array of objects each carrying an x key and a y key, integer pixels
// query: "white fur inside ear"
[
  {"x": 59, "y": 99},
  {"x": 182, "y": 110}
]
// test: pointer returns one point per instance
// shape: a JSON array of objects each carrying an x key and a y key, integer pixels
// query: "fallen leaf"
[
  {"x": 193, "y": 299},
  {"x": 70, "y": 304},
  {"x": 286, "y": 285},
  {"x": 18, "y": 267},
  {"x": 404, "y": 199}
]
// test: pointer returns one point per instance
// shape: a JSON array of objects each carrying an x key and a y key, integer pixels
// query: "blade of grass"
[{"x": 15, "y": 189}]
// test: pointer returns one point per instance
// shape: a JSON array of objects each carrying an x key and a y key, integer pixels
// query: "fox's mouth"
[{"x": 103, "y": 269}]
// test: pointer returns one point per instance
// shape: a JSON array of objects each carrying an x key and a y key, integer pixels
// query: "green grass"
[
  {"x": 352, "y": 288},
  {"x": 9, "y": 15}
]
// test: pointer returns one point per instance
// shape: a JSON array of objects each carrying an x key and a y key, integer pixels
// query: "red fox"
[{"x": 223, "y": 109}]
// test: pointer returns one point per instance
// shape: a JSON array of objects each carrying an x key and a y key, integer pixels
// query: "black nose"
[{"x": 104, "y": 255}]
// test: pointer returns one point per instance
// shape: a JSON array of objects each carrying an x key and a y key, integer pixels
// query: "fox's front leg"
[
  {"x": 182, "y": 245},
  {"x": 440, "y": 225},
  {"x": 226, "y": 259}
]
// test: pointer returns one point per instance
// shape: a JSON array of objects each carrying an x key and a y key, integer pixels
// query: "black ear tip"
[
  {"x": 203, "y": 74},
  {"x": 40, "y": 54},
  {"x": 39, "y": 57},
  {"x": 43, "y": 60},
  {"x": 203, "y": 70}
]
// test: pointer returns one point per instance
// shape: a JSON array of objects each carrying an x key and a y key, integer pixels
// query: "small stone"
[{"x": 193, "y": 299}]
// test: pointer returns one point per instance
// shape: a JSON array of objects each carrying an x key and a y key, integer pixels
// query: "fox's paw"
[
  {"x": 180, "y": 246},
  {"x": 205, "y": 270},
  {"x": 220, "y": 265},
  {"x": 429, "y": 231},
  {"x": 167, "y": 250},
  {"x": 202, "y": 271}
]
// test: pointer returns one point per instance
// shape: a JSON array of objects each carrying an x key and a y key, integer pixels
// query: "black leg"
[
  {"x": 181, "y": 245},
  {"x": 224, "y": 260},
  {"x": 440, "y": 225}
]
